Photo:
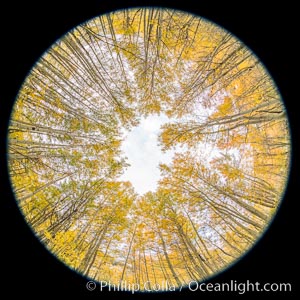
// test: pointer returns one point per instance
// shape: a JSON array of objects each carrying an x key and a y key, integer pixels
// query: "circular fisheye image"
[{"x": 150, "y": 147}]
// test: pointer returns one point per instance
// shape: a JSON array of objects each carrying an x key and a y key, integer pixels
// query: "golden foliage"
[{"x": 216, "y": 196}]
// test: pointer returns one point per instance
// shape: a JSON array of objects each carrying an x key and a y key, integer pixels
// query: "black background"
[{"x": 28, "y": 29}]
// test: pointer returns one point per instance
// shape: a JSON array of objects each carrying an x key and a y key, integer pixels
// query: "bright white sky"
[
  {"x": 140, "y": 146},
  {"x": 144, "y": 155}
]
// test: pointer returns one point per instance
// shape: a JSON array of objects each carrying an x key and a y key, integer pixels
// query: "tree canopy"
[{"x": 225, "y": 114}]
